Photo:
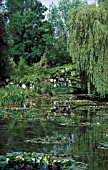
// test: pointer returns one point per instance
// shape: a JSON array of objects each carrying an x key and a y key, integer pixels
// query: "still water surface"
[{"x": 63, "y": 130}]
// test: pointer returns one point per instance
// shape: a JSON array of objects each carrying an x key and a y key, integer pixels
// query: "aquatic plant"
[
  {"x": 12, "y": 96},
  {"x": 19, "y": 160}
]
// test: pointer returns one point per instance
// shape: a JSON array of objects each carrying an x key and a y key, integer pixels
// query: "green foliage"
[
  {"x": 87, "y": 44},
  {"x": 34, "y": 75},
  {"x": 4, "y": 60},
  {"x": 22, "y": 68},
  {"x": 57, "y": 54},
  {"x": 19, "y": 71},
  {"x": 42, "y": 64},
  {"x": 12, "y": 96},
  {"x": 40, "y": 74},
  {"x": 58, "y": 15},
  {"x": 104, "y": 3},
  {"x": 33, "y": 160},
  {"x": 47, "y": 87},
  {"x": 56, "y": 50},
  {"x": 62, "y": 72},
  {"x": 27, "y": 29}
]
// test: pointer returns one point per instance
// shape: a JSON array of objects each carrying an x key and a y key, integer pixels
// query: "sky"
[{"x": 48, "y": 2}]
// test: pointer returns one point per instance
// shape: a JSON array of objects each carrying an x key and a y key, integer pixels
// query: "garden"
[{"x": 53, "y": 85}]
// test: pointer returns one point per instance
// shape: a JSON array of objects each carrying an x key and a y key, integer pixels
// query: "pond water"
[{"x": 58, "y": 128}]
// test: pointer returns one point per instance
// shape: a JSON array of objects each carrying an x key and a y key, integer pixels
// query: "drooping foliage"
[
  {"x": 27, "y": 27},
  {"x": 88, "y": 45},
  {"x": 104, "y": 3}
]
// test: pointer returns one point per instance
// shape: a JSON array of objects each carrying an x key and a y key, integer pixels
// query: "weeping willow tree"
[{"x": 88, "y": 46}]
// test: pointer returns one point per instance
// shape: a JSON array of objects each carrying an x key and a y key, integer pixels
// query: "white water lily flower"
[
  {"x": 33, "y": 159},
  {"x": 7, "y": 160},
  {"x": 98, "y": 123}
]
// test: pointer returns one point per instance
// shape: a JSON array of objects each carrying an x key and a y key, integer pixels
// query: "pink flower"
[
  {"x": 53, "y": 164},
  {"x": 27, "y": 166}
]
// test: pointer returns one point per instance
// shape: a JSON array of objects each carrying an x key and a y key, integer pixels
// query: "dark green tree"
[
  {"x": 27, "y": 27},
  {"x": 88, "y": 46},
  {"x": 4, "y": 61}
]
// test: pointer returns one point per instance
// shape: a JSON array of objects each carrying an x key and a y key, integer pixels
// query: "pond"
[{"x": 58, "y": 127}]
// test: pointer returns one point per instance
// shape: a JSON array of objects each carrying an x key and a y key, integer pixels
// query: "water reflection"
[{"x": 83, "y": 129}]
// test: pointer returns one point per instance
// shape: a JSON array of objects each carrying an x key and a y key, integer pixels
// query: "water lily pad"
[
  {"x": 2, "y": 157},
  {"x": 2, "y": 165},
  {"x": 103, "y": 145}
]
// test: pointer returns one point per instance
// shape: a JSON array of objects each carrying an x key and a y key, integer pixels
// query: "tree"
[
  {"x": 104, "y": 3},
  {"x": 58, "y": 15},
  {"x": 57, "y": 53},
  {"x": 87, "y": 44},
  {"x": 27, "y": 27},
  {"x": 4, "y": 62}
]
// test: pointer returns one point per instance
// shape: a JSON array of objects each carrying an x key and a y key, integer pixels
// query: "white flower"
[
  {"x": 62, "y": 71},
  {"x": 23, "y": 86},
  {"x": 7, "y": 160},
  {"x": 51, "y": 80}
]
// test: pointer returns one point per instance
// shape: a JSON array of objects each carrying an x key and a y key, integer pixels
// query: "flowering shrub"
[{"x": 12, "y": 96}]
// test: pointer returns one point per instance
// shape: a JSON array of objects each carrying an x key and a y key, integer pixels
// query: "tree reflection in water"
[{"x": 83, "y": 129}]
